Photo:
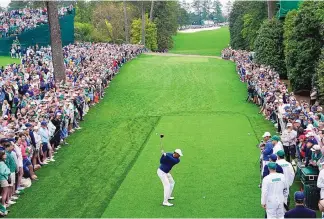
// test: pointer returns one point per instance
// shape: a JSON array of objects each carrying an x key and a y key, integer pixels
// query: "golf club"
[{"x": 161, "y": 144}]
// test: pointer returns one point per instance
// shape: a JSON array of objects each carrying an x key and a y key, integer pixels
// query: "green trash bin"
[
  {"x": 309, "y": 175},
  {"x": 312, "y": 196}
]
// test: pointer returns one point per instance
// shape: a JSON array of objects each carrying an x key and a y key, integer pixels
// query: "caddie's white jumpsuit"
[
  {"x": 274, "y": 195},
  {"x": 320, "y": 182},
  {"x": 288, "y": 171}
]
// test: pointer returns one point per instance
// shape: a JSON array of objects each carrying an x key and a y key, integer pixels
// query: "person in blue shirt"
[
  {"x": 167, "y": 161},
  {"x": 300, "y": 211},
  {"x": 266, "y": 172},
  {"x": 268, "y": 149}
]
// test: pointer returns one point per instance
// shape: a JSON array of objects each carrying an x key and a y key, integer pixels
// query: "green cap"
[
  {"x": 272, "y": 165},
  {"x": 275, "y": 138},
  {"x": 281, "y": 153}
]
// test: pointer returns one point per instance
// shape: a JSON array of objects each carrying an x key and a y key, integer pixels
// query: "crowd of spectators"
[
  {"x": 196, "y": 26},
  {"x": 39, "y": 114},
  {"x": 16, "y": 21},
  {"x": 300, "y": 127}
]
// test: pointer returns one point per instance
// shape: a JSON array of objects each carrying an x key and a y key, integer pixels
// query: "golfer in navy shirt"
[{"x": 167, "y": 161}]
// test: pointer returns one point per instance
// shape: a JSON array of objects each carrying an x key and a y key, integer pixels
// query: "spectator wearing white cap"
[
  {"x": 289, "y": 138},
  {"x": 316, "y": 155}
]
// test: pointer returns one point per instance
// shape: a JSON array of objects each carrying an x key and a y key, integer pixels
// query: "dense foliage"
[
  {"x": 303, "y": 42},
  {"x": 245, "y": 20},
  {"x": 165, "y": 18},
  {"x": 320, "y": 77},
  {"x": 269, "y": 47},
  {"x": 150, "y": 33}
]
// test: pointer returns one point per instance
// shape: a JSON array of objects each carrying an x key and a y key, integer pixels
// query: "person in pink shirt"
[{"x": 26, "y": 162}]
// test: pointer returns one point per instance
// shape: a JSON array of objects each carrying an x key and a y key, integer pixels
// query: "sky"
[{"x": 4, "y": 3}]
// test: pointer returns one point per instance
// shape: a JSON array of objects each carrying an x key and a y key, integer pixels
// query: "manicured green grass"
[
  {"x": 214, "y": 168},
  {"x": 5, "y": 60},
  {"x": 200, "y": 105},
  {"x": 202, "y": 43}
]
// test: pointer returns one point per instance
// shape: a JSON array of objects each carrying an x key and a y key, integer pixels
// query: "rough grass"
[{"x": 202, "y": 43}]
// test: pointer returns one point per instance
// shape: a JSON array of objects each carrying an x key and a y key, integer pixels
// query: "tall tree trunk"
[
  {"x": 143, "y": 24},
  {"x": 151, "y": 11},
  {"x": 271, "y": 8},
  {"x": 126, "y": 22},
  {"x": 56, "y": 41}
]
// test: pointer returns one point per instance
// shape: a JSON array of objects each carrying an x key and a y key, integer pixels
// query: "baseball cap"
[
  {"x": 298, "y": 121},
  {"x": 316, "y": 148},
  {"x": 272, "y": 165},
  {"x": 301, "y": 137},
  {"x": 299, "y": 196},
  {"x": 275, "y": 138},
  {"x": 289, "y": 124},
  {"x": 309, "y": 134},
  {"x": 28, "y": 125},
  {"x": 178, "y": 151},
  {"x": 311, "y": 141},
  {"x": 309, "y": 127},
  {"x": 43, "y": 123},
  {"x": 266, "y": 134},
  {"x": 281, "y": 153},
  {"x": 273, "y": 157}
]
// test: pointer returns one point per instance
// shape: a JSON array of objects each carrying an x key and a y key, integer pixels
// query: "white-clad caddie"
[
  {"x": 167, "y": 161},
  {"x": 274, "y": 193}
]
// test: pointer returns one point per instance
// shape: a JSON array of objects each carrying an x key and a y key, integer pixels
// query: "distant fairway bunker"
[{"x": 205, "y": 185}]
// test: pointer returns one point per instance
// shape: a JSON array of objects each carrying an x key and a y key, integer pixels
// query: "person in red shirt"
[
  {"x": 26, "y": 162},
  {"x": 301, "y": 147}
]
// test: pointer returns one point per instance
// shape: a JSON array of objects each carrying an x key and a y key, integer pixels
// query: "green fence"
[
  {"x": 286, "y": 6},
  {"x": 41, "y": 35}
]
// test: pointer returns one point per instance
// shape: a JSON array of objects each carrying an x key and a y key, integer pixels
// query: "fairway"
[
  {"x": 109, "y": 168},
  {"x": 209, "y": 42},
  {"x": 200, "y": 106},
  {"x": 205, "y": 185}
]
